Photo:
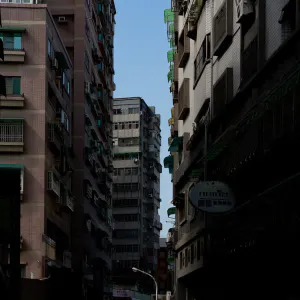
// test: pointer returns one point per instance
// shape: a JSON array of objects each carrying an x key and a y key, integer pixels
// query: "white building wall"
[{"x": 273, "y": 28}]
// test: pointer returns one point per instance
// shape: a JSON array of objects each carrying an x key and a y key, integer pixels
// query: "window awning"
[
  {"x": 168, "y": 161},
  {"x": 12, "y": 29},
  {"x": 176, "y": 144},
  {"x": 62, "y": 62},
  {"x": 12, "y": 166},
  {"x": 171, "y": 211},
  {"x": 168, "y": 15}
]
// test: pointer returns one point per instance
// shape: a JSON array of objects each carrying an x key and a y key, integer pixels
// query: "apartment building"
[
  {"x": 164, "y": 276},
  {"x": 36, "y": 135},
  {"x": 87, "y": 28},
  {"x": 136, "y": 188},
  {"x": 234, "y": 78}
]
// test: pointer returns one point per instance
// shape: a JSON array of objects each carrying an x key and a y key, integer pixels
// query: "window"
[
  {"x": 13, "y": 85},
  {"x": 198, "y": 250},
  {"x": 117, "y": 111},
  {"x": 11, "y": 40},
  {"x": 202, "y": 58},
  {"x": 125, "y": 202},
  {"x": 64, "y": 78},
  {"x": 66, "y": 83},
  {"x": 192, "y": 253},
  {"x": 87, "y": 62},
  {"x": 127, "y": 248},
  {"x": 49, "y": 48},
  {"x": 133, "y": 110},
  {"x": 126, "y": 233},
  {"x": 126, "y": 218},
  {"x": 125, "y": 187},
  {"x": 128, "y": 142},
  {"x": 125, "y": 156},
  {"x": 68, "y": 88}
]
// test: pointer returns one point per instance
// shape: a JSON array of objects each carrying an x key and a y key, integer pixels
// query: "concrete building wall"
[{"x": 135, "y": 157}]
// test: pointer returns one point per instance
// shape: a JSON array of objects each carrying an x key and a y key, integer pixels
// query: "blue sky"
[{"x": 141, "y": 69}]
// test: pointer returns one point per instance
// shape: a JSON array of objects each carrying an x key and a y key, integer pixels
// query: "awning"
[
  {"x": 168, "y": 15},
  {"x": 176, "y": 144},
  {"x": 171, "y": 211},
  {"x": 12, "y": 166},
  {"x": 12, "y": 29},
  {"x": 168, "y": 161},
  {"x": 62, "y": 62}
]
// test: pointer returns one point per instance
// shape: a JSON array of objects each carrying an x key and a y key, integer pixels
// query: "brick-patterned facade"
[{"x": 37, "y": 75}]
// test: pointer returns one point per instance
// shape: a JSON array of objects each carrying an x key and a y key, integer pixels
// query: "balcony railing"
[
  {"x": 50, "y": 247},
  {"x": 11, "y": 135},
  {"x": 70, "y": 202},
  {"x": 67, "y": 259},
  {"x": 53, "y": 184},
  {"x": 55, "y": 136}
]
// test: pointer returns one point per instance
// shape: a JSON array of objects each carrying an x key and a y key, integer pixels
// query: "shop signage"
[{"x": 212, "y": 197}]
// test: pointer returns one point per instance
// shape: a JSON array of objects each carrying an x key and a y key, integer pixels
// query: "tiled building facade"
[
  {"x": 235, "y": 87},
  {"x": 36, "y": 133},
  {"x": 56, "y": 126}
]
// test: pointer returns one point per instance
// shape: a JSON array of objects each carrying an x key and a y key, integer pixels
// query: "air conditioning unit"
[
  {"x": 62, "y": 19},
  {"x": 243, "y": 8},
  {"x": 55, "y": 63},
  {"x": 150, "y": 195}
]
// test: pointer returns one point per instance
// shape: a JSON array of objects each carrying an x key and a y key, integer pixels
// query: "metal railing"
[{"x": 11, "y": 131}]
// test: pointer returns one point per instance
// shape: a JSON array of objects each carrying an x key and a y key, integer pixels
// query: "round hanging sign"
[{"x": 212, "y": 197}]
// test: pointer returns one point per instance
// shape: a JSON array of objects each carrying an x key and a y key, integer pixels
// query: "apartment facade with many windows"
[
  {"x": 87, "y": 28},
  {"x": 227, "y": 118},
  {"x": 136, "y": 192},
  {"x": 36, "y": 134}
]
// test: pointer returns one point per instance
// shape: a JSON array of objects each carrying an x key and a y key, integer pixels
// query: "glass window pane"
[{"x": 16, "y": 85}]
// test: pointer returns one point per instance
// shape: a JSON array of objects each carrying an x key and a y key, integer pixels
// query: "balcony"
[
  {"x": 171, "y": 121},
  {"x": 67, "y": 200},
  {"x": 50, "y": 247},
  {"x": 67, "y": 259},
  {"x": 103, "y": 182},
  {"x": 184, "y": 100},
  {"x": 55, "y": 137},
  {"x": 11, "y": 135},
  {"x": 53, "y": 183},
  {"x": 183, "y": 48},
  {"x": 12, "y": 101},
  {"x": 14, "y": 56}
]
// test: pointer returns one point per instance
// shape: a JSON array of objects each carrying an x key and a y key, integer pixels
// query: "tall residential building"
[
  {"x": 36, "y": 135},
  {"x": 87, "y": 28},
  {"x": 87, "y": 31},
  {"x": 136, "y": 188},
  {"x": 235, "y": 83}
]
